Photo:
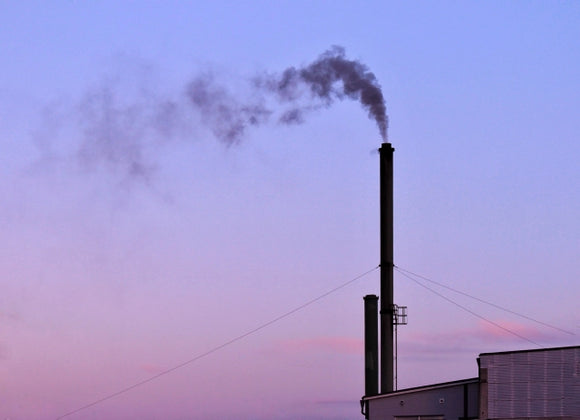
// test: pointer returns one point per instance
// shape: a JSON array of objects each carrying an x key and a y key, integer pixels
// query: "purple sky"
[{"x": 133, "y": 239}]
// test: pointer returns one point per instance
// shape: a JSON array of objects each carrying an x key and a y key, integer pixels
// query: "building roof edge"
[{"x": 423, "y": 388}]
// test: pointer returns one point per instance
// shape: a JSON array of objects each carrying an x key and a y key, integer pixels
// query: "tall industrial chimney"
[{"x": 386, "y": 293}]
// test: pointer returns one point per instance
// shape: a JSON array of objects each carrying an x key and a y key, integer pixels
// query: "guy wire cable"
[{"x": 219, "y": 347}]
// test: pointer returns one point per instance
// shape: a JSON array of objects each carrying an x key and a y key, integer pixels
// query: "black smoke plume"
[
  {"x": 119, "y": 132},
  {"x": 331, "y": 77},
  {"x": 226, "y": 115}
]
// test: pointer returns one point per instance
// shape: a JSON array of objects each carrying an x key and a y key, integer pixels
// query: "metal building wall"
[
  {"x": 457, "y": 400},
  {"x": 532, "y": 384}
]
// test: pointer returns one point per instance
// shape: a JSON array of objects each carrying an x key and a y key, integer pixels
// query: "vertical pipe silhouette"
[
  {"x": 371, "y": 345},
  {"x": 386, "y": 296}
]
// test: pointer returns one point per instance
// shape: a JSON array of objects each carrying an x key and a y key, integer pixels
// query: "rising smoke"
[
  {"x": 119, "y": 133},
  {"x": 226, "y": 115},
  {"x": 297, "y": 91},
  {"x": 331, "y": 77}
]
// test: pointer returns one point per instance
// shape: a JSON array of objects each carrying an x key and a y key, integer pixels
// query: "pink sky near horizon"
[{"x": 107, "y": 279}]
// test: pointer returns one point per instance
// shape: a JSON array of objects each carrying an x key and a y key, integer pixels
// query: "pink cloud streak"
[{"x": 479, "y": 339}]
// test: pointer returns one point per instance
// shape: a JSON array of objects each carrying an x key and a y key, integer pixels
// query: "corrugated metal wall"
[{"x": 533, "y": 384}]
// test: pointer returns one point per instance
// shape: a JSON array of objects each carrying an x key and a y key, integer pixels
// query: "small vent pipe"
[{"x": 371, "y": 345}]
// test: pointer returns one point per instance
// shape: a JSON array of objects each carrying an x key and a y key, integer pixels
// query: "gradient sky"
[{"x": 108, "y": 277}]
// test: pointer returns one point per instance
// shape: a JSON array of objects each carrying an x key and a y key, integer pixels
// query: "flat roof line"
[
  {"x": 423, "y": 388},
  {"x": 531, "y": 350}
]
